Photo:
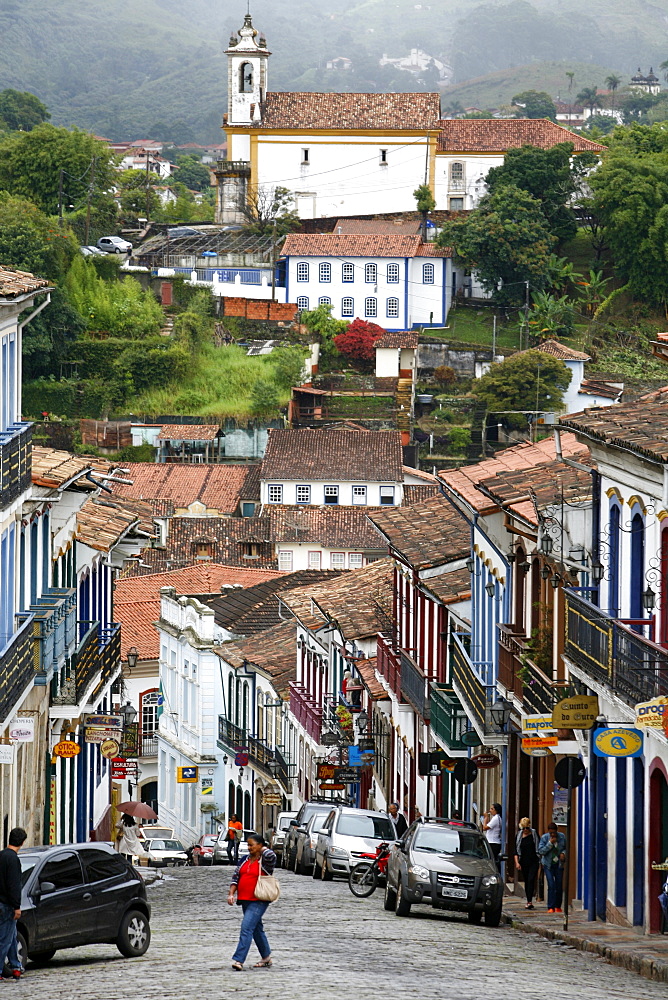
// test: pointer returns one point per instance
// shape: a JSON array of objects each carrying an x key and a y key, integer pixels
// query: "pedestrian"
[
  {"x": 244, "y": 883},
  {"x": 11, "y": 887},
  {"x": 526, "y": 858},
  {"x": 128, "y": 842},
  {"x": 235, "y": 831},
  {"x": 399, "y": 820},
  {"x": 552, "y": 851},
  {"x": 492, "y": 828},
  {"x": 456, "y": 814}
]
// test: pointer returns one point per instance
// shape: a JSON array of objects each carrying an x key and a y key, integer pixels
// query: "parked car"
[
  {"x": 76, "y": 894},
  {"x": 306, "y": 842},
  {"x": 448, "y": 865},
  {"x": 167, "y": 853},
  {"x": 161, "y": 832},
  {"x": 91, "y": 251},
  {"x": 220, "y": 856},
  {"x": 203, "y": 850},
  {"x": 297, "y": 824},
  {"x": 346, "y": 835},
  {"x": 114, "y": 244},
  {"x": 282, "y": 826}
]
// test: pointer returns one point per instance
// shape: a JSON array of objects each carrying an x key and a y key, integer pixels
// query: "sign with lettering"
[
  {"x": 534, "y": 742},
  {"x": 129, "y": 742},
  {"x": 536, "y": 723},
  {"x": 329, "y": 739},
  {"x": 331, "y": 786},
  {"x": 486, "y": 760},
  {"x": 618, "y": 742},
  {"x": 325, "y": 772},
  {"x": 346, "y": 774},
  {"x": 187, "y": 775},
  {"x": 66, "y": 748},
  {"x": 6, "y": 753},
  {"x": 650, "y": 714},
  {"x": 105, "y": 721},
  {"x": 97, "y": 734},
  {"x": 541, "y": 751},
  {"x": 579, "y": 712},
  {"x": 109, "y": 749},
  {"x": 22, "y": 730}
]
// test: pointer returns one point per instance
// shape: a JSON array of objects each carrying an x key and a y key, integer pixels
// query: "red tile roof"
[
  {"x": 51, "y": 467},
  {"x": 398, "y": 338},
  {"x": 496, "y": 135},
  {"x": 360, "y": 601},
  {"x": 367, "y": 673},
  {"x": 595, "y": 387},
  {"x": 333, "y": 454},
  {"x": 640, "y": 426},
  {"x": 137, "y": 628},
  {"x": 273, "y": 651},
  {"x": 561, "y": 351},
  {"x": 369, "y": 245},
  {"x": 335, "y": 527},
  {"x": 189, "y": 432},
  {"x": 428, "y": 534},
  {"x": 527, "y": 491},
  {"x": 392, "y": 112},
  {"x": 103, "y": 520},
  {"x": 451, "y": 587},
  {"x": 216, "y": 486},
  {"x": 15, "y": 283}
]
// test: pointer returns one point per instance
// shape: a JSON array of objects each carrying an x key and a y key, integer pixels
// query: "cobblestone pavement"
[{"x": 327, "y": 945}]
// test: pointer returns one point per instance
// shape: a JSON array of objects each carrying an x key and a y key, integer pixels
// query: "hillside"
[
  {"x": 499, "y": 88},
  {"x": 131, "y": 68}
]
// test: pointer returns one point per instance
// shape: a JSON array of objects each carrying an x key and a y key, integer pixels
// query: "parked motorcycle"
[{"x": 366, "y": 875}]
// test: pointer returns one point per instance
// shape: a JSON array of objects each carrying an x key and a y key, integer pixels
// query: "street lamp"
[
  {"x": 546, "y": 545},
  {"x": 500, "y": 713},
  {"x": 490, "y": 588},
  {"x": 525, "y": 565},
  {"x": 470, "y": 564},
  {"x": 555, "y": 581},
  {"x": 597, "y": 571},
  {"x": 132, "y": 656},
  {"x": 648, "y": 599},
  {"x": 545, "y": 572},
  {"x": 128, "y": 713}
]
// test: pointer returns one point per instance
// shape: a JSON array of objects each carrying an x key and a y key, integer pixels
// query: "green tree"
[
  {"x": 271, "y": 210},
  {"x": 506, "y": 241},
  {"x": 21, "y": 111},
  {"x": 535, "y": 104},
  {"x": 31, "y": 164},
  {"x": 550, "y": 316},
  {"x": 593, "y": 290},
  {"x": 320, "y": 323},
  {"x": 192, "y": 330},
  {"x": 121, "y": 308},
  {"x": 426, "y": 203},
  {"x": 30, "y": 240},
  {"x": 265, "y": 397},
  {"x": 636, "y": 106},
  {"x": 47, "y": 339},
  {"x": 288, "y": 366},
  {"x": 192, "y": 173},
  {"x": 137, "y": 193},
  {"x": 590, "y": 98},
  {"x": 562, "y": 273},
  {"x": 528, "y": 381},
  {"x": 612, "y": 82}
]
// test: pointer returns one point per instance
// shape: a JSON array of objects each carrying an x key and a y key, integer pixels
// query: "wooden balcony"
[
  {"x": 388, "y": 664},
  {"x": 306, "y": 712},
  {"x": 17, "y": 668},
  {"x": 522, "y": 677},
  {"x": 448, "y": 719},
  {"x": 15, "y": 462},
  {"x": 414, "y": 686}
]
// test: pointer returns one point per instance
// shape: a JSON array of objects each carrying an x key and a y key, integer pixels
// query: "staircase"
[{"x": 404, "y": 401}]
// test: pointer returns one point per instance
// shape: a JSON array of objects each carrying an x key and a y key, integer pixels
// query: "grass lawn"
[{"x": 468, "y": 325}]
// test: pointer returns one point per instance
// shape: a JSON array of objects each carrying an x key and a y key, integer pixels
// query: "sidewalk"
[{"x": 646, "y": 955}]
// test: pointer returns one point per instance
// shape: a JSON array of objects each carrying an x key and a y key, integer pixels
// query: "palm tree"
[
  {"x": 664, "y": 67},
  {"x": 612, "y": 82},
  {"x": 589, "y": 97},
  {"x": 570, "y": 74}
]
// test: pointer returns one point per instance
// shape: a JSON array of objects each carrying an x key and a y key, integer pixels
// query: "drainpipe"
[{"x": 596, "y": 525}]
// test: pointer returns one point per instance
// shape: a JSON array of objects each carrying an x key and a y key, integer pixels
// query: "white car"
[
  {"x": 166, "y": 853},
  {"x": 114, "y": 244},
  {"x": 282, "y": 826},
  {"x": 346, "y": 837},
  {"x": 91, "y": 251}
]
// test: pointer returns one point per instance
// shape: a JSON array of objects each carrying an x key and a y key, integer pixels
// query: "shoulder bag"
[{"x": 268, "y": 888}]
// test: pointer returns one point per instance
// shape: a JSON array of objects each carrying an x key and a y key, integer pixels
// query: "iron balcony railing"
[
  {"x": 475, "y": 696},
  {"x": 96, "y": 657},
  {"x": 414, "y": 686},
  {"x": 261, "y": 754},
  {"x": 522, "y": 677},
  {"x": 15, "y": 462},
  {"x": 610, "y": 652},
  {"x": 148, "y": 745},
  {"x": 447, "y": 718},
  {"x": 17, "y": 668},
  {"x": 388, "y": 663},
  {"x": 307, "y": 713},
  {"x": 54, "y": 632}
]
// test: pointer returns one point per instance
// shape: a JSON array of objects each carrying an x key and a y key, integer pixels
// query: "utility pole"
[
  {"x": 526, "y": 313},
  {"x": 60, "y": 197},
  {"x": 90, "y": 194},
  {"x": 494, "y": 338},
  {"x": 273, "y": 261},
  {"x": 148, "y": 191}
]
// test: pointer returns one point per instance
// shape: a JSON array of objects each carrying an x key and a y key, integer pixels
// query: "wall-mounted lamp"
[
  {"x": 546, "y": 544},
  {"x": 545, "y": 572},
  {"x": 490, "y": 588},
  {"x": 525, "y": 566},
  {"x": 597, "y": 571},
  {"x": 470, "y": 564},
  {"x": 132, "y": 656},
  {"x": 555, "y": 581},
  {"x": 648, "y": 599}
]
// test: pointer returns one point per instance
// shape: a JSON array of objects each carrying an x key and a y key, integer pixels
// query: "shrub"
[
  {"x": 144, "y": 452},
  {"x": 288, "y": 366},
  {"x": 358, "y": 340},
  {"x": 264, "y": 397},
  {"x": 44, "y": 394},
  {"x": 445, "y": 375},
  {"x": 459, "y": 438},
  {"x": 153, "y": 366}
]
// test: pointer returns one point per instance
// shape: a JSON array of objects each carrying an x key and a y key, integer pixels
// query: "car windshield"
[
  {"x": 173, "y": 845},
  {"x": 28, "y": 862},
  {"x": 373, "y": 827},
  {"x": 311, "y": 811},
  {"x": 442, "y": 840},
  {"x": 284, "y": 822},
  {"x": 208, "y": 841}
]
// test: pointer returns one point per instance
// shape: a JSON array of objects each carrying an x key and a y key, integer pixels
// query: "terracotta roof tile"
[
  {"x": 203, "y": 578},
  {"x": 561, "y": 351},
  {"x": 641, "y": 426},
  {"x": 51, "y": 467},
  {"x": 216, "y": 486},
  {"x": 427, "y": 477},
  {"x": 527, "y": 490},
  {"x": 102, "y": 522},
  {"x": 428, "y": 534},
  {"x": 227, "y": 539},
  {"x": 330, "y": 453},
  {"x": 370, "y": 245},
  {"x": 137, "y": 628},
  {"x": 189, "y": 432},
  {"x": 273, "y": 651},
  {"x": 367, "y": 672},
  {"x": 398, "y": 338},
  {"x": 416, "y": 494},
  {"x": 451, "y": 587},
  {"x": 594, "y": 387},
  {"x": 16, "y": 283},
  {"x": 360, "y": 601},
  {"x": 496, "y": 135},
  {"x": 331, "y": 526},
  {"x": 394, "y": 112}
]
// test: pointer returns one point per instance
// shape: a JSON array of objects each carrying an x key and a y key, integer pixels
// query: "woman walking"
[
  {"x": 127, "y": 840},
  {"x": 492, "y": 829},
  {"x": 260, "y": 860},
  {"x": 526, "y": 858}
]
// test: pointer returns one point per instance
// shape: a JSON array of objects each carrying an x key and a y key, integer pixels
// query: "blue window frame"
[
  {"x": 392, "y": 274},
  {"x": 427, "y": 274},
  {"x": 371, "y": 273},
  {"x": 302, "y": 271},
  {"x": 347, "y": 307},
  {"x": 347, "y": 272},
  {"x": 325, "y": 272}
]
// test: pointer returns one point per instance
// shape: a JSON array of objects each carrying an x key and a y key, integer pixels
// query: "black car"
[
  {"x": 76, "y": 894},
  {"x": 297, "y": 828}
]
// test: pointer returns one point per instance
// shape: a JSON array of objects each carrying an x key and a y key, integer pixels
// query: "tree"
[
  {"x": 358, "y": 340},
  {"x": 31, "y": 164},
  {"x": 535, "y": 104},
  {"x": 192, "y": 173},
  {"x": 21, "y": 111},
  {"x": 137, "y": 194},
  {"x": 550, "y": 316},
  {"x": 506, "y": 241},
  {"x": 265, "y": 397},
  {"x": 612, "y": 82},
  {"x": 593, "y": 290},
  {"x": 528, "y": 381},
  {"x": 320, "y": 323},
  {"x": 271, "y": 210},
  {"x": 288, "y": 366},
  {"x": 589, "y": 98},
  {"x": 635, "y": 105},
  {"x": 32, "y": 241},
  {"x": 426, "y": 203}
]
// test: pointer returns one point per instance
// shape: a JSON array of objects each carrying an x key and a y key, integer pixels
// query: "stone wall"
[{"x": 466, "y": 361}]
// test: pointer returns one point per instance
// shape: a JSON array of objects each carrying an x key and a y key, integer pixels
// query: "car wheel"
[
  {"x": 301, "y": 868},
  {"x": 134, "y": 934},
  {"x": 402, "y": 908},
  {"x": 474, "y": 916},
  {"x": 315, "y": 873},
  {"x": 325, "y": 874},
  {"x": 390, "y": 900},
  {"x": 39, "y": 957},
  {"x": 493, "y": 917},
  {"x": 118, "y": 250}
]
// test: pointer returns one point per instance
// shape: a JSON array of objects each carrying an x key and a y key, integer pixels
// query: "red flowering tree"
[{"x": 358, "y": 340}]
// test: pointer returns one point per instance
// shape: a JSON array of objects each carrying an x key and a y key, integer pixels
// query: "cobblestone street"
[{"x": 326, "y": 944}]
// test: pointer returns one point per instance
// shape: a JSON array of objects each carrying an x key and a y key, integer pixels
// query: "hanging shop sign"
[
  {"x": 483, "y": 761},
  {"x": 358, "y": 756},
  {"x": 66, "y": 748},
  {"x": 618, "y": 742},
  {"x": 187, "y": 775},
  {"x": 346, "y": 774},
  {"x": 325, "y": 772},
  {"x": 536, "y": 742},
  {"x": 579, "y": 712},
  {"x": 207, "y": 786},
  {"x": 272, "y": 799},
  {"x": 97, "y": 734},
  {"x": 470, "y": 738},
  {"x": 537, "y": 723},
  {"x": 569, "y": 772},
  {"x": 330, "y": 739},
  {"x": 541, "y": 751},
  {"x": 6, "y": 753},
  {"x": 109, "y": 749},
  {"x": 650, "y": 714},
  {"x": 22, "y": 730},
  {"x": 465, "y": 771},
  {"x": 331, "y": 786},
  {"x": 241, "y": 759},
  {"x": 130, "y": 739},
  {"x": 104, "y": 721}
]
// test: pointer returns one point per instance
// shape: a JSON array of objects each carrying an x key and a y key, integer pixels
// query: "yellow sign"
[
  {"x": 533, "y": 742},
  {"x": 579, "y": 712},
  {"x": 66, "y": 748},
  {"x": 651, "y": 713},
  {"x": 618, "y": 742},
  {"x": 536, "y": 723},
  {"x": 109, "y": 748},
  {"x": 187, "y": 775}
]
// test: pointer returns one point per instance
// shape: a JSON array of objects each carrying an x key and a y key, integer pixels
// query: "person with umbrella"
[{"x": 127, "y": 837}]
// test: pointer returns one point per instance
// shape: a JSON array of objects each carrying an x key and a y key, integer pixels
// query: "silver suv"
[
  {"x": 347, "y": 835},
  {"x": 447, "y": 864}
]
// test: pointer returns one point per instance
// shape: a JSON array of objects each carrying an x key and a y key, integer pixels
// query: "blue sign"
[
  {"x": 357, "y": 756},
  {"x": 618, "y": 742}
]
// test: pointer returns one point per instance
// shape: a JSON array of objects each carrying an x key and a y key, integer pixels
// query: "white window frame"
[
  {"x": 314, "y": 559},
  {"x": 371, "y": 274},
  {"x": 371, "y": 307},
  {"x": 275, "y": 490},
  {"x": 285, "y": 560},
  {"x": 324, "y": 272},
  {"x": 457, "y": 170},
  {"x": 355, "y": 560},
  {"x": 302, "y": 303},
  {"x": 324, "y": 300},
  {"x": 392, "y": 307},
  {"x": 305, "y": 490},
  {"x": 428, "y": 274},
  {"x": 359, "y": 493},
  {"x": 347, "y": 306},
  {"x": 393, "y": 274},
  {"x": 333, "y": 492},
  {"x": 386, "y": 492},
  {"x": 302, "y": 270},
  {"x": 347, "y": 272},
  {"x": 339, "y": 563}
]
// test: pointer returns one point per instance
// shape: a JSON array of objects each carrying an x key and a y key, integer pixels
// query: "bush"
[
  {"x": 264, "y": 397},
  {"x": 118, "y": 307},
  {"x": 445, "y": 375},
  {"x": 152, "y": 366},
  {"x": 44, "y": 394},
  {"x": 288, "y": 366},
  {"x": 107, "y": 267},
  {"x": 358, "y": 340},
  {"x": 459, "y": 439},
  {"x": 137, "y": 453}
]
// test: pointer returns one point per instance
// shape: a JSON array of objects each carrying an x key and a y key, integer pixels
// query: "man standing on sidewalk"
[{"x": 10, "y": 900}]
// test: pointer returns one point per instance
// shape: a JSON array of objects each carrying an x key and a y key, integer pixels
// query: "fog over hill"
[{"x": 129, "y": 68}]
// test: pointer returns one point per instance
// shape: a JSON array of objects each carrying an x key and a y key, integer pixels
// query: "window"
[
  {"x": 338, "y": 560},
  {"x": 306, "y": 156},
  {"x": 347, "y": 307},
  {"x": 64, "y": 871},
  {"x": 314, "y": 560},
  {"x": 203, "y": 550},
  {"x": 428, "y": 274},
  {"x": 99, "y": 865},
  {"x": 275, "y": 494},
  {"x": 355, "y": 560},
  {"x": 303, "y": 494},
  {"x": 457, "y": 172},
  {"x": 247, "y": 509},
  {"x": 371, "y": 308},
  {"x": 331, "y": 494},
  {"x": 246, "y": 78},
  {"x": 387, "y": 496},
  {"x": 393, "y": 308},
  {"x": 359, "y": 494},
  {"x": 251, "y": 550},
  {"x": 383, "y": 157},
  {"x": 302, "y": 303},
  {"x": 371, "y": 274},
  {"x": 324, "y": 300},
  {"x": 285, "y": 560},
  {"x": 393, "y": 273},
  {"x": 325, "y": 272},
  {"x": 456, "y": 204},
  {"x": 302, "y": 271},
  {"x": 347, "y": 272}
]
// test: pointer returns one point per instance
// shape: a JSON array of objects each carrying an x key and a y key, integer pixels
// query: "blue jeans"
[
  {"x": 8, "y": 939},
  {"x": 555, "y": 876},
  {"x": 252, "y": 930}
]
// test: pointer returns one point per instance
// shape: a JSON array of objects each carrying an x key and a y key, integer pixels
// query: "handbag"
[{"x": 268, "y": 888}]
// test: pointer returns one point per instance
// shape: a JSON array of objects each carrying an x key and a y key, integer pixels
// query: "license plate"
[{"x": 455, "y": 893}]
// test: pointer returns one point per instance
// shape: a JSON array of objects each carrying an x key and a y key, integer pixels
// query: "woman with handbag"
[{"x": 254, "y": 886}]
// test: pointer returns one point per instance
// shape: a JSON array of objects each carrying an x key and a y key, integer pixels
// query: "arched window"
[
  {"x": 370, "y": 274},
  {"x": 302, "y": 303},
  {"x": 393, "y": 308},
  {"x": 237, "y": 703},
  {"x": 325, "y": 272},
  {"x": 613, "y": 582},
  {"x": 244, "y": 718},
  {"x": 302, "y": 271},
  {"x": 392, "y": 273},
  {"x": 456, "y": 171},
  {"x": 637, "y": 567},
  {"x": 371, "y": 308},
  {"x": 246, "y": 78},
  {"x": 347, "y": 272},
  {"x": 428, "y": 274},
  {"x": 347, "y": 307},
  {"x": 324, "y": 300}
]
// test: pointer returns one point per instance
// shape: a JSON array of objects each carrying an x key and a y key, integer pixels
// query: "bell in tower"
[{"x": 247, "y": 61}]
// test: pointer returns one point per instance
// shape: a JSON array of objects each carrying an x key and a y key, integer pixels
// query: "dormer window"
[{"x": 246, "y": 78}]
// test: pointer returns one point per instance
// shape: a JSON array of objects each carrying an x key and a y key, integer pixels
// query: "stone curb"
[{"x": 651, "y": 968}]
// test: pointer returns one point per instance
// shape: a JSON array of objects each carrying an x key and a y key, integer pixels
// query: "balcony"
[
  {"x": 148, "y": 745},
  {"x": 306, "y": 712},
  {"x": 261, "y": 755},
  {"x": 15, "y": 462},
  {"x": 522, "y": 677},
  {"x": 414, "y": 687},
  {"x": 17, "y": 669},
  {"x": 472, "y": 693},
  {"x": 388, "y": 664},
  {"x": 97, "y": 657},
  {"x": 457, "y": 185},
  {"x": 54, "y": 624},
  {"x": 635, "y": 668},
  {"x": 447, "y": 718}
]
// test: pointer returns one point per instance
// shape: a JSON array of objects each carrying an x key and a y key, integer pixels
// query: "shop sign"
[
  {"x": 325, "y": 772},
  {"x": 66, "y": 748},
  {"x": 618, "y": 742},
  {"x": 98, "y": 734},
  {"x": 103, "y": 721},
  {"x": 537, "y": 723},
  {"x": 22, "y": 730},
  {"x": 130, "y": 739},
  {"x": 331, "y": 786},
  {"x": 579, "y": 712},
  {"x": 109, "y": 749},
  {"x": 366, "y": 745},
  {"x": 346, "y": 774},
  {"x": 535, "y": 742},
  {"x": 6, "y": 753},
  {"x": 272, "y": 799},
  {"x": 118, "y": 772},
  {"x": 465, "y": 771},
  {"x": 486, "y": 760},
  {"x": 651, "y": 713},
  {"x": 357, "y": 756},
  {"x": 187, "y": 775},
  {"x": 330, "y": 739},
  {"x": 541, "y": 751},
  {"x": 241, "y": 759},
  {"x": 207, "y": 786}
]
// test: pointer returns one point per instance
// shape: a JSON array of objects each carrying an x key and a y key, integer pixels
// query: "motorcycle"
[{"x": 366, "y": 875}]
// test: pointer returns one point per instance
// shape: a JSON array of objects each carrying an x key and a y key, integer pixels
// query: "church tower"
[{"x": 247, "y": 63}]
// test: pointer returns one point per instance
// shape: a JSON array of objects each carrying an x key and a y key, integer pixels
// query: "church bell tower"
[{"x": 247, "y": 63}]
